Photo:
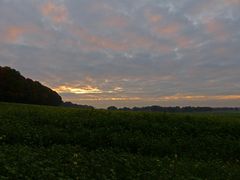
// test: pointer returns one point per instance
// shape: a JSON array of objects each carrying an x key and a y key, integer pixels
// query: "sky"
[{"x": 127, "y": 52}]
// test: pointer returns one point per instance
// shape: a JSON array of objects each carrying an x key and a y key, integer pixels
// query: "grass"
[{"x": 38, "y": 142}]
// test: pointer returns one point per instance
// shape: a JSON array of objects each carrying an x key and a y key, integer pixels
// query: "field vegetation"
[{"x": 41, "y": 142}]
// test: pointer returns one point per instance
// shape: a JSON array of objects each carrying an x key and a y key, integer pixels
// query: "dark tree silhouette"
[
  {"x": 70, "y": 104},
  {"x": 15, "y": 88},
  {"x": 180, "y": 109},
  {"x": 112, "y": 108}
]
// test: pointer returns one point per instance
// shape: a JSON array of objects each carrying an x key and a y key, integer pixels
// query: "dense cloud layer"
[{"x": 125, "y": 53}]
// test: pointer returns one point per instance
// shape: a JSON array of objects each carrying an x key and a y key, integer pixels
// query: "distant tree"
[
  {"x": 112, "y": 108},
  {"x": 70, "y": 104},
  {"x": 15, "y": 88},
  {"x": 156, "y": 108},
  {"x": 125, "y": 109}
]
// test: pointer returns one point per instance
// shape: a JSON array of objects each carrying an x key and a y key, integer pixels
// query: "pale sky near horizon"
[{"x": 127, "y": 52}]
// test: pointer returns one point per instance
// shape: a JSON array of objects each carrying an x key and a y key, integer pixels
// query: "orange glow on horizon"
[
  {"x": 80, "y": 90},
  {"x": 198, "y": 97},
  {"x": 106, "y": 95}
]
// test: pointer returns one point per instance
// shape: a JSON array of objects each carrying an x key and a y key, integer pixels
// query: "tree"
[
  {"x": 112, "y": 108},
  {"x": 16, "y": 88}
]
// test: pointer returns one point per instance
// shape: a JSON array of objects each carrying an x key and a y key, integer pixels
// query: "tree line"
[
  {"x": 16, "y": 88},
  {"x": 175, "y": 109}
]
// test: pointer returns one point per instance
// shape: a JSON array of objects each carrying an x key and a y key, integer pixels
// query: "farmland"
[{"x": 38, "y": 142}]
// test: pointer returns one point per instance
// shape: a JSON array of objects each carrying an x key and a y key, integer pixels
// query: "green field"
[{"x": 40, "y": 142}]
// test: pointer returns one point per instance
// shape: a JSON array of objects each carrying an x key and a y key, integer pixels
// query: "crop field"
[{"x": 41, "y": 142}]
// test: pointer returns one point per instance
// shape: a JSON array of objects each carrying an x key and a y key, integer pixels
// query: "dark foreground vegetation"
[
  {"x": 40, "y": 142},
  {"x": 16, "y": 88}
]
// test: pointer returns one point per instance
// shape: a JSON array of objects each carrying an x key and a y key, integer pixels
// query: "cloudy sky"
[{"x": 127, "y": 52}]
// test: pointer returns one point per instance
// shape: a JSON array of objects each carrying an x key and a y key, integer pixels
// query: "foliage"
[
  {"x": 38, "y": 142},
  {"x": 15, "y": 88},
  {"x": 112, "y": 108}
]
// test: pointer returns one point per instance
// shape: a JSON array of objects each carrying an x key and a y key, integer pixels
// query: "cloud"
[
  {"x": 78, "y": 90},
  {"x": 198, "y": 97},
  {"x": 232, "y": 2},
  {"x": 174, "y": 100},
  {"x": 12, "y": 34},
  {"x": 131, "y": 41},
  {"x": 30, "y": 35},
  {"x": 116, "y": 22},
  {"x": 56, "y": 13},
  {"x": 168, "y": 30},
  {"x": 138, "y": 52},
  {"x": 205, "y": 11},
  {"x": 152, "y": 18},
  {"x": 183, "y": 41},
  {"x": 217, "y": 29},
  {"x": 73, "y": 88},
  {"x": 16, "y": 34}
]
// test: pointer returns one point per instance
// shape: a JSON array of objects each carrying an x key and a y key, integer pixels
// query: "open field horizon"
[{"x": 120, "y": 89}]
